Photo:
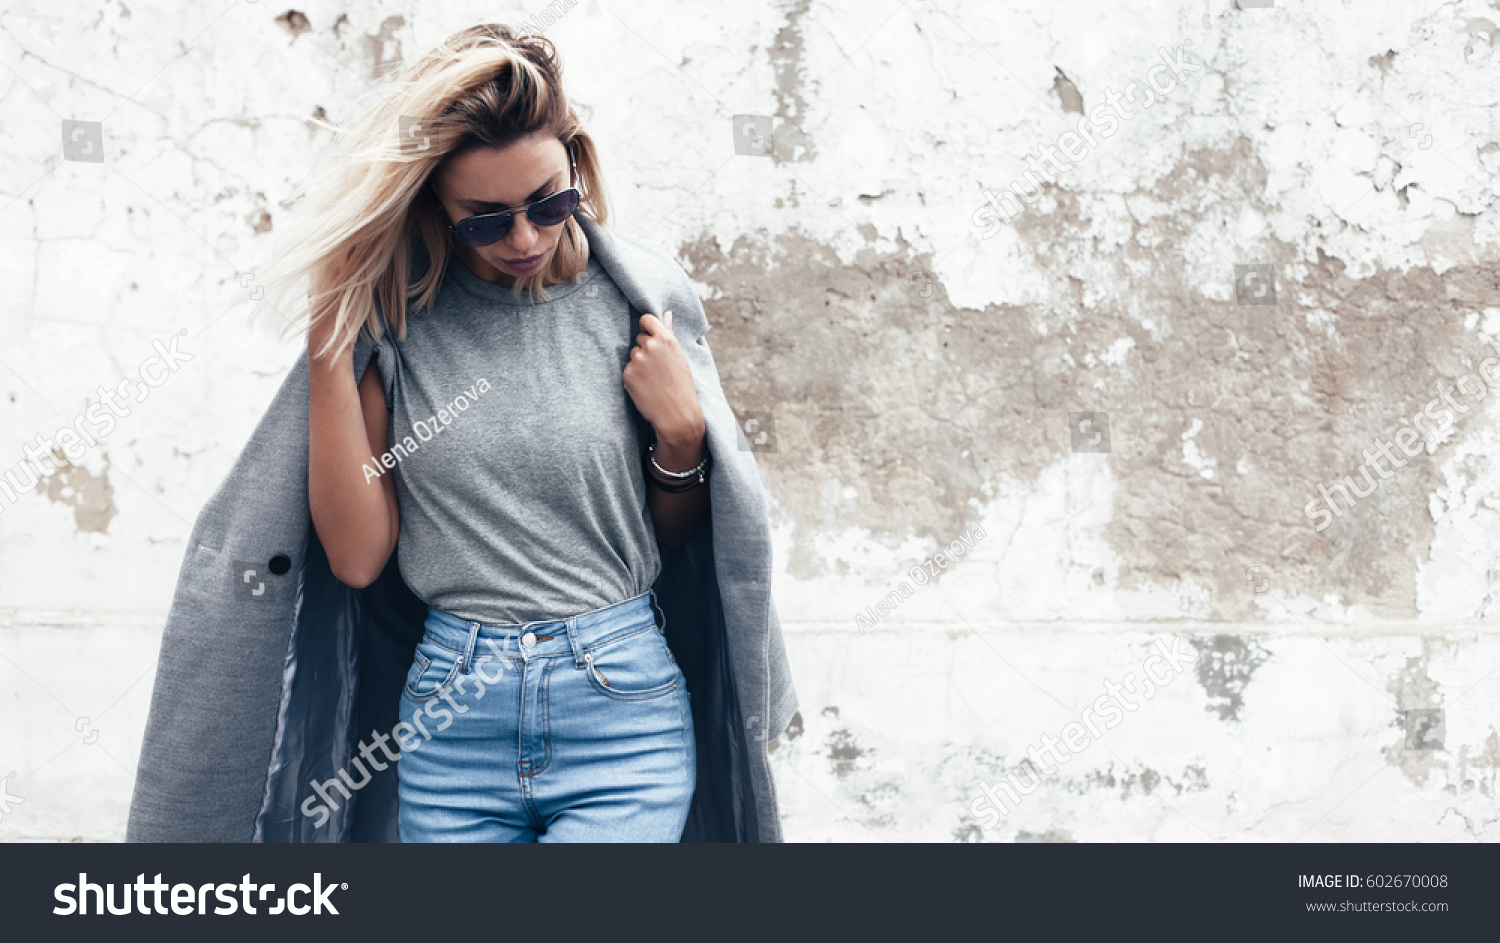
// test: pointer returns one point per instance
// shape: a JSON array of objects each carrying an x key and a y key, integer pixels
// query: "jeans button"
[{"x": 529, "y": 639}]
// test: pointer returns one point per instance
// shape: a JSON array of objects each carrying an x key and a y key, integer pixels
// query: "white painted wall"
[{"x": 926, "y": 103}]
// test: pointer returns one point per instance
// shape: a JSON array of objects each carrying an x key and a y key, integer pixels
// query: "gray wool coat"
[{"x": 272, "y": 671}]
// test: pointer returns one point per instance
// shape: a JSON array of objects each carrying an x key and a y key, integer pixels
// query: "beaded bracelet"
[{"x": 698, "y": 473}]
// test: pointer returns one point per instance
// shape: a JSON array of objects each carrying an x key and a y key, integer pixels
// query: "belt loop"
[
  {"x": 466, "y": 660},
  {"x": 573, "y": 641}
]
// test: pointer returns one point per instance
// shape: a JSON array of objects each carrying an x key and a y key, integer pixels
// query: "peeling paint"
[
  {"x": 294, "y": 22},
  {"x": 1224, "y": 666},
  {"x": 1051, "y": 835},
  {"x": 1143, "y": 781},
  {"x": 382, "y": 47},
  {"x": 844, "y": 752},
  {"x": 91, "y": 496},
  {"x": 1414, "y": 689},
  {"x": 790, "y": 143},
  {"x": 980, "y": 392},
  {"x": 920, "y": 379},
  {"x": 1067, "y": 93}
]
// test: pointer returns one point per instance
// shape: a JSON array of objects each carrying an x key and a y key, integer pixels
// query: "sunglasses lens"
[
  {"x": 483, "y": 232},
  {"x": 487, "y": 230},
  {"x": 554, "y": 209}
]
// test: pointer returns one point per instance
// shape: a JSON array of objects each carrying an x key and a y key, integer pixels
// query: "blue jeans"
[{"x": 574, "y": 729}]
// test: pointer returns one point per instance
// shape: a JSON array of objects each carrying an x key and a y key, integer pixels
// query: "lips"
[{"x": 527, "y": 263}]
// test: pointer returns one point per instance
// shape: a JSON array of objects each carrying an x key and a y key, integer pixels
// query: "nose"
[{"x": 523, "y": 237}]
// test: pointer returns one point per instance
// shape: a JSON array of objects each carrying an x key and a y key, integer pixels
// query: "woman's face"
[{"x": 492, "y": 180}]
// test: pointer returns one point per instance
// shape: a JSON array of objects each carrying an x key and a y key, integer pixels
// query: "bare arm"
[{"x": 356, "y": 521}]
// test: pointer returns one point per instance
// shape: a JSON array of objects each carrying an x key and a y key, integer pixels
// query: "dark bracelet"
[{"x": 690, "y": 479}]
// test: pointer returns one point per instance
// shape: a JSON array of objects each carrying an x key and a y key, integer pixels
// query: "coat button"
[
  {"x": 529, "y": 639},
  {"x": 280, "y": 564}
]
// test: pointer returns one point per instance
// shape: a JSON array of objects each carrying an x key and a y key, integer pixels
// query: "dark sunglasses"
[{"x": 490, "y": 228}]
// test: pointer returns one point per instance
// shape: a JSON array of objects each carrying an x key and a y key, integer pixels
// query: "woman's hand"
[{"x": 660, "y": 382}]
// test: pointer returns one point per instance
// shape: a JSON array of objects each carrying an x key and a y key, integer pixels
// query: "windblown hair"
[{"x": 368, "y": 203}]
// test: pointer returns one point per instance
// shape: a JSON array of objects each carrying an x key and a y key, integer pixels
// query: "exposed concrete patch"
[
  {"x": 918, "y": 406},
  {"x": 883, "y": 800},
  {"x": 1051, "y": 835},
  {"x": 1067, "y": 93},
  {"x": 1383, "y": 61},
  {"x": 1224, "y": 666},
  {"x": 91, "y": 496},
  {"x": 259, "y": 218},
  {"x": 789, "y": 142},
  {"x": 383, "y": 48},
  {"x": 1194, "y": 779},
  {"x": 812, "y": 344},
  {"x": 1476, "y": 772},
  {"x": 792, "y": 732},
  {"x": 1144, "y": 780},
  {"x": 845, "y": 753},
  {"x": 1414, "y": 689},
  {"x": 968, "y": 831},
  {"x": 294, "y": 22}
]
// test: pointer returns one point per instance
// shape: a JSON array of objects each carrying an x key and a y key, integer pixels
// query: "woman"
[
  {"x": 541, "y": 702},
  {"x": 529, "y": 521}
]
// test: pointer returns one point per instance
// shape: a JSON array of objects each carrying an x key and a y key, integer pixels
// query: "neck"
[{"x": 480, "y": 267}]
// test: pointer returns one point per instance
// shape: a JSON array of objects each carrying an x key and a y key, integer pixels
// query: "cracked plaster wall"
[{"x": 918, "y": 376}]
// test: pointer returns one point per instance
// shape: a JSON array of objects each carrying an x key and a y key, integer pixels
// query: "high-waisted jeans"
[{"x": 574, "y": 729}]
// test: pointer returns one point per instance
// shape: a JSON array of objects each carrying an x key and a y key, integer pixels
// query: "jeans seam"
[
  {"x": 529, "y": 802},
  {"x": 545, "y": 690}
]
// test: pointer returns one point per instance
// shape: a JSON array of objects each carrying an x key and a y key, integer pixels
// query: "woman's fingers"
[{"x": 651, "y": 324}]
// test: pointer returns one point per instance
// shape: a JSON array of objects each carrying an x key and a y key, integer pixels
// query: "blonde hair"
[{"x": 368, "y": 202}]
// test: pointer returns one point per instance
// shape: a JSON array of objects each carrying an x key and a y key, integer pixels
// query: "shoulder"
[
  {"x": 651, "y": 263},
  {"x": 649, "y": 277}
]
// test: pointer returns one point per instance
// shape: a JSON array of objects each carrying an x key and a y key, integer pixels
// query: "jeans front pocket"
[
  {"x": 432, "y": 670},
  {"x": 637, "y": 667}
]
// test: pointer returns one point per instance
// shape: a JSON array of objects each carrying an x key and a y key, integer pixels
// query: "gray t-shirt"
[{"x": 517, "y": 451}]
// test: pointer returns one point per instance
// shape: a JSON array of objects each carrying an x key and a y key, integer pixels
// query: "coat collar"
[{"x": 643, "y": 276}]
